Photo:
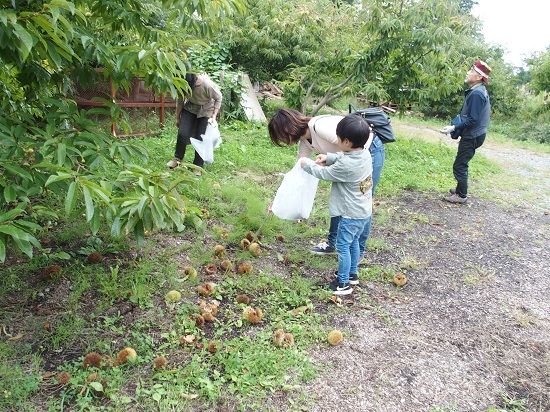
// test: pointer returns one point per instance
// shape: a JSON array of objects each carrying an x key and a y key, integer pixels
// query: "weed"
[{"x": 478, "y": 274}]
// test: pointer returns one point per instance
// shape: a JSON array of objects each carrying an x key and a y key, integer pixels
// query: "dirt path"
[{"x": 471, "y": 328}]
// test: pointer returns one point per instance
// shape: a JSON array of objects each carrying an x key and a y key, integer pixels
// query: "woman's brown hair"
[{"x": 287, "y": 126}]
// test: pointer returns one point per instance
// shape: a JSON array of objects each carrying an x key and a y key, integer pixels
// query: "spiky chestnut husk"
[
  {"x": 252, "y": 315},
  {"x": 92, "y": 377},
  {"x": 243, "y": 299},
  {"x": 208, "y": 317},
  {"x": 126, "y": 353},
  {"x": 244, "y": 243},
  {"x": 108, "y": 362},
  {"x": 226, "y": 265},
  {"x": 92, "y": 359},
  {"x": 281, "y": 238},
  {"x": 188, "y": 340},
  {"x": 244, "y": 268},
  {"x": 173, "y": 296},
  {"x": 63, "y": 378},
  {"x": 95, "y": 257},
  {"x": 206, "y": 308},
  {"x": 289, "y": 340},
  {"x": 206, "y": 289},
  {"x": 219, "y": 250},
  {"x": 52, "y": 271},
  {"x": 159, "y": 362},
  {"x": 199, "y": 321},
  {"x": 282, "y": 339},
  {"x": 213, "y": 346},
  {"x": 278, "y": 337},
  {"x": 335, "y": 337},
  {"x": 205, "y": 213},
  {"x": 254, "y": 248},
  {"x": 211, "y": 269},
  {"x": 190, "y": 272},
  {"x": 399, "y": 279}
]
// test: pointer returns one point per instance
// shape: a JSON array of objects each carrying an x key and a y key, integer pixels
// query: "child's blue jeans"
[{"x": 347, "y": 245}]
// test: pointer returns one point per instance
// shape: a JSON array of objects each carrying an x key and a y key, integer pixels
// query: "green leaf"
[
  {"x": 14, "y": 232},
  {"x": 58, "y": 177},
  {"x": 61, "y": 154},
  {"x": 26, "y": 41},
  {"x": 2, "y": 249},
  {"x": 95, "y": 223},
  {"x": 9, "y": 194},
  {"x": 71, "y": 198},
  {"x": 17, "y": 171},
  {"x": 23, "y": 245},
  {"x": 97, "y": 386},
  {"x": 116, "y": 228},
  {"x": 89, "y": 203},
  {"x": 10, "y": 214}
]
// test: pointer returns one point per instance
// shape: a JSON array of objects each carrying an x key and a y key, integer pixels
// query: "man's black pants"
[{"x": 466, "y": 150}]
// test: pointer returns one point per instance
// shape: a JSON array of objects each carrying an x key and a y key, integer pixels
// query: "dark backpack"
[{"x": 378, "y": 121}]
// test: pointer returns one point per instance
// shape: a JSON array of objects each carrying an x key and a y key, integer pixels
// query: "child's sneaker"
[
  {"x": 353, "y": 278},
  {"x": 323, "y": 248},
  {"x": 340, "y": 288}
]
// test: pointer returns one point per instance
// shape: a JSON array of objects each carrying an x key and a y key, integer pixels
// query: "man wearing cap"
[{"x": 471, "y": 126}]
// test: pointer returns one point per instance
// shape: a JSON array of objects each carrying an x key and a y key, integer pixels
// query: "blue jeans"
[
  {"x": 347, "y": 243},
  {"x": 378, "y": 155},
  {"x": 466, "y": 150}
]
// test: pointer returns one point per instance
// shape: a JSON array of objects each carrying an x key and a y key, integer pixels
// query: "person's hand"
[
  {"x": 178, "y": 122},
  {"x": 448, "y": 129},
  {"x": 211, "y": 120},
  {"x": 303, "y": 161},
  {"x": 321, "y": 159}
]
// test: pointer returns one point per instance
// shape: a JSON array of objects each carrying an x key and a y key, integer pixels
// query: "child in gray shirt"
[{"x": 350, "y": 172}]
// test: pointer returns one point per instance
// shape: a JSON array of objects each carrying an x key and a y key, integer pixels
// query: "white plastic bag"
[
  {"x": 295, "y": 196},
  {"x": 211, "y": 140}
]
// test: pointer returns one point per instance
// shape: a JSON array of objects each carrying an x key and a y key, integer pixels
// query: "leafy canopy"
[{"x": 52, "y": 155}]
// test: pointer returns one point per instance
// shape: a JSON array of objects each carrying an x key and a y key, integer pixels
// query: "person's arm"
[
  {"x": 335, "y": 172},
  {"x": 216, "y": 95}
]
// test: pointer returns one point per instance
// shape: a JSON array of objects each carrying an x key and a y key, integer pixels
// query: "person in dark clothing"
[{"x": 471, "y": 126}]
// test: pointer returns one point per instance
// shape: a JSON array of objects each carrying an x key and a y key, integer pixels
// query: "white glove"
[{"x": 448, "y": 129}]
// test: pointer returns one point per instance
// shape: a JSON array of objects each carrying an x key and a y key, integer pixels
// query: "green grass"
[{"x": 236, "y": 191}]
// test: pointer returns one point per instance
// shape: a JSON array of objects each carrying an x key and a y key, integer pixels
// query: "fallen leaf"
[
  {"x": 48, "y": 375},
  {"x": 186, "y": 396},
  {"x": 298, "y": 310},
  {"x": 16, "y": 337}
]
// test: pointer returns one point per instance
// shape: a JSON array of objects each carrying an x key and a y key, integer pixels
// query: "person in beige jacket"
[{"x": 193, "y": 113}]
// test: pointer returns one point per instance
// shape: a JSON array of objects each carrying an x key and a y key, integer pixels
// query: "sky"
[{"x": 521, "y": 27}]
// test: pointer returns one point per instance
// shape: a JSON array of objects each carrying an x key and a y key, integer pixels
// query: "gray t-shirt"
[{"x": 351, "y": 177}]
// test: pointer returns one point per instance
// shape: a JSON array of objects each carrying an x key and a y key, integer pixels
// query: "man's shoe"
[
  {"x": 452, "y": 191},
  {"x": 340, "y": 288},
  {"x": 173, "y": 163},
  {"x": 353, "y": 278},
  {"x": 323, "y": 248},
  {"x": 455, "y": 199}
]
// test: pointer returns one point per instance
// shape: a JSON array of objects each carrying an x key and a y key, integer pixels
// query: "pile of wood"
[{"x": 271, "y": 91}]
